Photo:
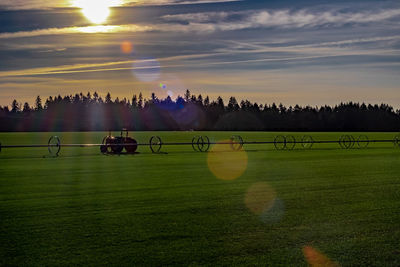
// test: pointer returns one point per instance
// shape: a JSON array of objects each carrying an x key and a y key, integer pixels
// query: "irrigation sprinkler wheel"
[
  {"x": 396, "y": 141},
  {"x": 236, "y": 142},
  {"x": 203, "y": 143},
  {"x": 353, "y": 141},
  {"x": 362, "y": 141},
  {"x": 53, "y": 146},
  {"x": 290, "y": 142},
  {"x": 341, "y": 144},
  {"x": 194, "y": 142},
  {"x": 206, "y": 143},
  {"x": 280, "y": 142},
  {"x": 347, "y": 141},
  {"x": 307, "y": 142},
  {"x": 155, "y": 144},
  {"x": 200, "y": 143}
]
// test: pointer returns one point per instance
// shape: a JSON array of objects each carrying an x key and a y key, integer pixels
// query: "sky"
[{"x": 291, "y": 52}]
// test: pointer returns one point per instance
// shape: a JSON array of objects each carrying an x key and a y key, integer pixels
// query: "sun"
[{"x": 97, "y": 11}]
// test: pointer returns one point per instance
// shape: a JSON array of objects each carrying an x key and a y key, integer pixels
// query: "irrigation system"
[{"x": 127, "y": 145}]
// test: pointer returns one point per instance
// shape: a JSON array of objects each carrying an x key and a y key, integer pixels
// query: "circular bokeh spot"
[
  {"x": 126, "y": 47},
  {"x": 224, "y": 163},
  {"x": 260, "y": 198},
  {"x": 316, "y": 259},
  {"x": 274, "y": 213}
]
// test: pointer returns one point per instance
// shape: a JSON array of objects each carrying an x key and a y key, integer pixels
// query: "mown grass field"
[{"x": 188, "y": 208}]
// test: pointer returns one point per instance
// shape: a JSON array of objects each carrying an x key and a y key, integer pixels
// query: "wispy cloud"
[
  {"x": 223, "y": 21},
  {"x": 32, "y": 4},
  {"x": 74, "y": 30},
  {"x": 175, "y": 62},
  {"x": 342, "y": 46},
  {"x": 208, "y": 22},
  {"x": 50, "y": 4},
  {"x": 174, "y": 2}
]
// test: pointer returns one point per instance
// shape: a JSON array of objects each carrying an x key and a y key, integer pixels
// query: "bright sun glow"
[{"x": 97, "y": 11}]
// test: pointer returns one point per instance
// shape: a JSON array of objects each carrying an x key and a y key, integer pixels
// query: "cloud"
[
  {"x": 227, "y": 21},
  {"x": 208, "y": 22},
  {"x": 32, "y": 4},
  {"x": 50, "y": 4},
  {"x": 342, "y": 46},
  {"x": 174, "y": 2},
  {"x": 173, "y": 61},
  {"x": 74, "y": 30}
]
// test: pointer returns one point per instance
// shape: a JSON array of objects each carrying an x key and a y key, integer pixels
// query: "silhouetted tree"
[
  {"x": 108, "y": 99},
  {"x": 95, "y": 97},
  {"x": 38, "y": 103},
  {"x": 191, "y": 112},
  {"x": 140, "y": 102},
  {"x": 206, "y": 101},
  {"x": 15, "y": 107},
  {"x": 200, "y": 100},
  {"x": 134, "y": 101},
  {"x": 233, "y": 104},
  {"x": 187, "y": 95},
  {"x": 26, "y": 108}
]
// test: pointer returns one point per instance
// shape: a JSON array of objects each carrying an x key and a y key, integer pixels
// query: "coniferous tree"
[
  {"x": 232, "y": 104},
  {"x": 108, "y": 99},
  {"x": 140, "y": 102},
  {"x": 26, "y": 108},
  {"x": 95, "y": 97},
  {"x": 38, "y": 103},
  {"x": 172, "y": 115},
  {"x": 134, "y": 101},
  {"x": 206, "y": 101},
  {"x": 187, "y": 95},
  {"x": 200, "y": 100},
  {"x": 15, "y": 107},
  {"x": 220, "y": 102}
]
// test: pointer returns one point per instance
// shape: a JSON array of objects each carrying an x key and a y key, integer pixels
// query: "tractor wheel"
[
  {"x": 104, "y": 145},
  {"x": 117, "y": 145},
  {"x": 130, "y": 145}
]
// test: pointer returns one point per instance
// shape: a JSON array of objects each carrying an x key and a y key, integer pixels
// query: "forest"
[{"x": 90, "y": 112}]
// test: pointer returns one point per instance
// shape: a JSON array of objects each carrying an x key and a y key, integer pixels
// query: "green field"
[{"x": 254, "y": 207}]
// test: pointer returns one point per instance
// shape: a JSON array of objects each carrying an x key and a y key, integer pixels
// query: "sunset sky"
[{"x": 290, "y": 52}]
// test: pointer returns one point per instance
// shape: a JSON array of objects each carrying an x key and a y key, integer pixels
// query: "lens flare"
[
  {"x": 275, "y": 213},
  {"x": 317, "y": 259},
  {"x": 189, "y": 116},
  {"x": 126, "y": 47},
  {"x": 171, "y": 85},
  {"x": 225, "y": 163},
  {"x": 260, "y": 198}
]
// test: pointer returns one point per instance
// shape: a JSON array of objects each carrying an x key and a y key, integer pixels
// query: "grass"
[{"x": 85, "y": 208}]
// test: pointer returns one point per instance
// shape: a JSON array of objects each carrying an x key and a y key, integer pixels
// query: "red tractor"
[{"x": 116, "y": 144}]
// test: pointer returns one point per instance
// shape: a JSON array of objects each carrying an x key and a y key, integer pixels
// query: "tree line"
[{"x": 87, "y": 112}]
